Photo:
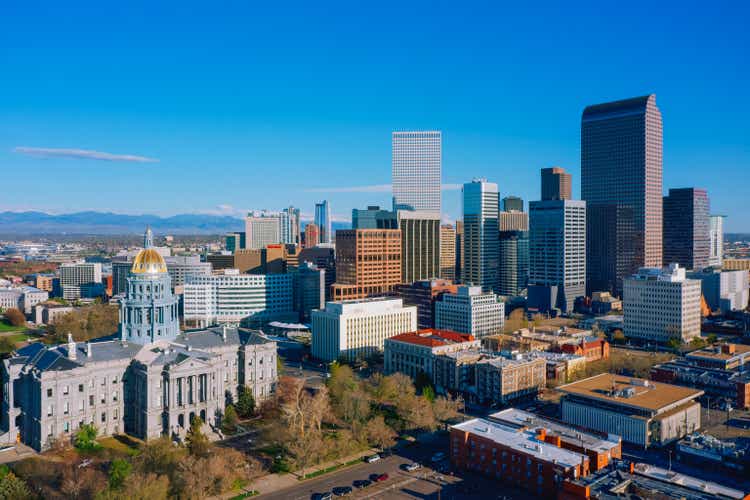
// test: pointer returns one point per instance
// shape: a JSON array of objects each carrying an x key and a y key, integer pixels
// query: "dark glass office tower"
[
  {"x": 686, "y": 228},
  {"x": 621, "y": 178},
  {"x": 513, "y": 271},
  {"x": 556, "y": 184}
]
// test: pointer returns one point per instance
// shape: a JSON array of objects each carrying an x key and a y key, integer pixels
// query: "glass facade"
[{"x": 416, "y": 170}]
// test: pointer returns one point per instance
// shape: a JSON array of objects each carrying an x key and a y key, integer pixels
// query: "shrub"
[{"x": 85, "y": 439}]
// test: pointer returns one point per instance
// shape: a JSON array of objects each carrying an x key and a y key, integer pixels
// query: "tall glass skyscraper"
[
  {"x": 480, "y": 234},
  {"x": 687, "y": 239},
  {"x": 716, "y": 234},
  {"x": 621, "y": 182},
  {"x": 416, "y": 170},
  {"x": 323, "y": 221}
]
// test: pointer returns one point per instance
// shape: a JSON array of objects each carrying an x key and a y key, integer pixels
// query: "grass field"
[{"x": 5, "y": 327}]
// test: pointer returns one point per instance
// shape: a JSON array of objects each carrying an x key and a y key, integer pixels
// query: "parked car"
[
  {"x": 373, "y": 458},
  {"x": 341, "y": 491},
  {"x": 381, "y": 478},
  {"x": 322, "y": 496},
  {"x": 413, "y": 466},
  {"x": 438, "y": 457},
  {"x": 362, "y": 483}
]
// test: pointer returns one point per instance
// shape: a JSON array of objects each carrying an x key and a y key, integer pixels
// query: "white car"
[
  {"x": 373, "y": 458},
  {"x": 413, "y": 466}
]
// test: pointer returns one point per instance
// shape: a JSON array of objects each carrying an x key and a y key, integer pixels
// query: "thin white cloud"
[
  {"x": 82, "y": 154},
  {"x": 375, "y": 188}
]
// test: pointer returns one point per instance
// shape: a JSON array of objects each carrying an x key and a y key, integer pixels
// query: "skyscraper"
[
  {"x": 448, "y": 252},
  {"x": 513, "y": 271},
  {"x": 513, "y": 221},
  {"x": 312, "y": 235},
  {"x": 686, "y": 228},
  {"x": 556, "y": 184},
  {"x": 323, "y": 221},
  {"x": 621, "y": 172},
  {"x": 416, "y": 170},
  {"x": 512, "y": 203},
  {"x": 420, "y": 245},
  {"x": 716, "y": 235},
  {"x": 374, "y": 218},
  {"x": 557, "y": 253},
  {"x": 290, "y": 226},
  {"x": 368, "y": 263},
  {"x": 262, "y": 229},
  {"x": 480, "y": 260}
]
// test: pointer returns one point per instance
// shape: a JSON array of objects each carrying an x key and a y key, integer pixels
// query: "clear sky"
[{"x": 249, "y": 105}]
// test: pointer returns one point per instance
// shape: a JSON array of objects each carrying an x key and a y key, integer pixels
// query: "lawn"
[
  {"x": 120, "y": 445},
  {"x": 5, "y": 327}
]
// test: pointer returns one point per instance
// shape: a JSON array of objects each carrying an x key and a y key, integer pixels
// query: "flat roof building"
[{"x": 368, "y": 263}]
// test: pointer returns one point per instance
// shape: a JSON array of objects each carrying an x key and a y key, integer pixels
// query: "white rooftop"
[
  {"x": 523, "y": 440},
  {"x": 687, "y": 481}
]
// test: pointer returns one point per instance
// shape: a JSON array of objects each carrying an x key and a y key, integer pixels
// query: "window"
[
  {"x": 104, "y": 398},
  {"x": 114, "y": 414},
  {"x": 66, "y": 408},
  {"x": 50, "y": 410},
  {"x": 91, "y": 400},
  {"x": 80, "y": 406},
  {"x": 114, "y": 396},
  {"x": 114, "y": 380},
  {"x": 80, "y": 387},
  {"x": 66, "y": 390},
  {"x": 104, "y": 381},
  {"x": 66, "y": 427},
  {"x": 49, "y": 393},
  {"x": 104, "y": 417}
]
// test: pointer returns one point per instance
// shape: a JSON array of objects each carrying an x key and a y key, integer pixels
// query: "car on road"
[
  {"x": 381, "y": 478},
  {"x": 412, "y": 467},
  {"x": 438, "y": 457},
  {"x": 341, "y": 491},
  {"x": 321, "y": 496},
  {"x": 373, "y": 458},
  {"x": 362, "y": 483}
]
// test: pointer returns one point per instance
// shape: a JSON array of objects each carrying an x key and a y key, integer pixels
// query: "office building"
[
  {"x": 374, "y": 218},
  {"x": 417, "y": 171},
  {"x": 723, "y": 291},
  {"x": 232, "y": 297},
  {"x": 47, "y": 282},
  {"x": 234, "y": 241},
  {"x": 601, "y": 448},
  {"x": 621, "y": 174},
  {"x": 733, "y": 264},
  {"x": 312, "y": 235},
  {"x": 518, "y": 456},
  {"x": 262, "y": 229},
  {"x": 470, "y": 310},
  {"x": 357, "y": 329},
  {"x": 178, "y": 267},
  {"x": 687, "y": 239},
  {"x": 480, "y": 230},
  {"x": 424, "y": 294},
  {"x": 513, "y": 270},
  {"x": 323, "y": 221},
  {"x": 73, "y": 277},
  {"x": 513, "y": 221},
  {"x": 512, "y": 204},
  {"x": 289, "y": 226},
  {"x": 151, "y": 382},
  {"x": 22, "y": 298},
  {"x": 557, "y": 254},
  {"x": 556, "y": 184},
  {"x": 309, "y": 289},
  {"x": 459, "y": 251},
  {"x": 716, "y": 240},
  {"x": 500, "y": 380},
  {"x": 447, "y": 252},
  {"x": 662, "y": 305},
  {"x": 368, "y": 263},
  {"x": 420, "y": 245},
  {"x": 324, "y": 258},
  {"x": 644, "y": 413},
  {"x": 414, "y": 353}
]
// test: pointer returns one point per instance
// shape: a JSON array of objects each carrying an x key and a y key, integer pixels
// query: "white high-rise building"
[
  {"x": 716, "y": 235},
  {"x": 480, "y": 234},
  {"x": 358, "y": 328},
  {"x": 80, "y": 275},
  {"x": 557, "y": 253},
  {"x": 470, "y": 311},
  {"x": 262, "y": 229},
  {"x": 662, "y": 304},
  {"x": 232, "y": 297},
  {"x": 416, "y": 170},
  {"x": 290, "y": 225},
  {"x": 323, "y": 221}
]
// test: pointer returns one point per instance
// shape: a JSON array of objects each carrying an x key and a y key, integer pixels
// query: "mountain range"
[{"x": 106, "y": 223}]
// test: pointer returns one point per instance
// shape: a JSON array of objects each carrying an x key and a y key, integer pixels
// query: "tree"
[
  {"x": 416, "y": 412},
  {"x": 6, "y": 345},
  {"x": 85, "y": 439},
  {"x": 15, "y": 317},
  {"x": 119, "y": 470},
  {"x": 379, "y": 434},
  {"x": 711, "y": 339},
  {"x": 86, "y": 323},
  {"x": 445, "y": 410},
  {"x": 428, "y": 393},
  {"x": 618, "y": 337},
  {"x": 139, "y": 486},
  {"x": 11, "y": 486},
  {"x": 197, "y": 442},
  {"x": 229, "y": 421},
  {"x": 245, "y": 402},
  {"x": 306, "y": 450}
]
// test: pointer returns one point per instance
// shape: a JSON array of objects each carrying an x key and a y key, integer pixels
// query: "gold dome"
[{"x": 148, "y": 261}]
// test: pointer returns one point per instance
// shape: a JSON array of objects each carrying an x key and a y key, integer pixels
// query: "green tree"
[
  {"x": 119, "y": 470},
  {"x": 12, "y": 487},
  {"x": 85, "y": 439},
  {"x": 711, "y": 339},
  {"x": 196, "y": 441},
  {"x": 245, "y": 402},
  {"x": 379, "y": 434},
  {"x": 6, "y": 345},
  {"x": 229, "y": 420},
  {"x": 429, "y": 393}
]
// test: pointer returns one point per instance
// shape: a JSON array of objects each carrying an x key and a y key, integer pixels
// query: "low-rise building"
[
  {"x": 724, "y": 290},
  {"x": 414, "y": 353},
  {"x": 500, "y": 380},
  {"x": 725, "y": 356},
  {"x": 644, "y": 413},
  {"x": 562, "y": 367},
  {"x": 358, "y": 328},
  {"x": 591, "y": 348},
  {"x": 717, "y": 383},
  {"x": 519, "y": 456},
  {"x": 48, "y": 312},
  {"x": 600, "y": 448},
  {"x": 470, "y": 310}
]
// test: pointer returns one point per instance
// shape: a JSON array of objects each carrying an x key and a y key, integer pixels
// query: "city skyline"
[{"x": 85, "y": 117}]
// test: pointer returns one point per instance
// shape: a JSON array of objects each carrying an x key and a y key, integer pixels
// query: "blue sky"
[{"x": 245, "y": 105}]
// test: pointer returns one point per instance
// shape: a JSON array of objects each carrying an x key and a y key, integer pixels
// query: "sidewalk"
[{"x": 272, "y": 483}]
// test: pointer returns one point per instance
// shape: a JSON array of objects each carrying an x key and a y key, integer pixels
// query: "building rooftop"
[
  {"x": 523, "y": 419},
  {"x": 723, "y": 351},
  {"x": 432, "y": 337},
  {"x": 521, "y": 439},
  {"x": 631, "y": 392}
]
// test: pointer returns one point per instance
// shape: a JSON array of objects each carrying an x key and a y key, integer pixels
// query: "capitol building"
[{"x": 149, "y": 381}]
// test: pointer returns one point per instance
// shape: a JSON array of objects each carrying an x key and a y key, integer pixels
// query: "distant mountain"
[{"x": 106, "y": 223}]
